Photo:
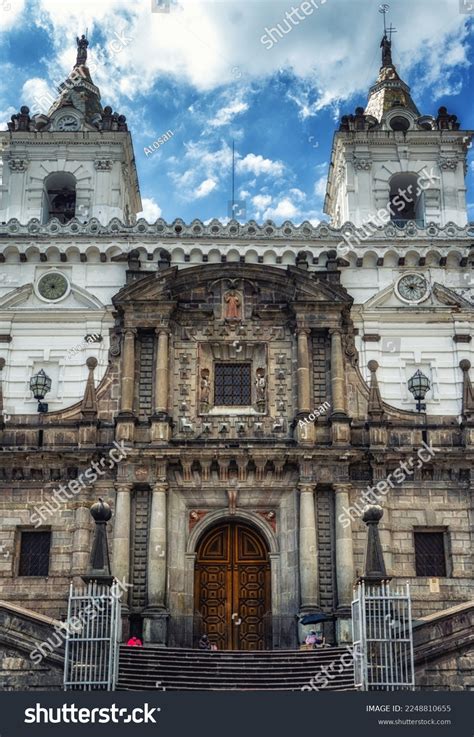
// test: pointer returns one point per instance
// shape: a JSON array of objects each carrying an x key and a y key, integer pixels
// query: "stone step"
[{"x": 175, "y": 669}]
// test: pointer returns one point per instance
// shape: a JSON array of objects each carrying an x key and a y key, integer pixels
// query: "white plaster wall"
[
  {"x": 99, "y": 193},
  {"x": 411, "y": 338},
  {"x": 364, "y": 187}
]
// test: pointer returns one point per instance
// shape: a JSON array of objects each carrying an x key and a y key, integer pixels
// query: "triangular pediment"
[
  {"x": 440, "y": 296},
  {"x": 25, "y": 298}
]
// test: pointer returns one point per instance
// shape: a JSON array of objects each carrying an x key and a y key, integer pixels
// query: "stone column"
[
  {"x": 121, "y": 538},
  {"x": 155, "y": 615},
  {"x": 128, "y": 371},
  {"x": 344, "y": 553},
  {"x": 308, "y": 549},
  {"x": 157, "y": 547},
  {"x": 305, "y": 429}
]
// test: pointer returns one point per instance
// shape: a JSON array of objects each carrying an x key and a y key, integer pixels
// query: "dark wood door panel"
[{"x": 232, "y": 587}]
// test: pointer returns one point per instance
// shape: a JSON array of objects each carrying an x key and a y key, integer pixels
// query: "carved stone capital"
[
  {"x": 159, "y": 488},
  {"x": 345, "y": 487},
  {"x": 18, "y": 165},
  {"x": 123, "y": 487},
  {"x": 306, "y": 488},
  {"x": 103, "y": 164},
  {"x": 448, "y": 163},
  {"x": 361, "y": 164}
]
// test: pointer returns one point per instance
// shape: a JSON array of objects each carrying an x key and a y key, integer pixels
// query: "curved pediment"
[{"x": 197, "y": 284}]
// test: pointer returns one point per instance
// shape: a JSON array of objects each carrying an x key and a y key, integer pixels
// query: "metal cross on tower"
[{"x": 384, "y": 10}]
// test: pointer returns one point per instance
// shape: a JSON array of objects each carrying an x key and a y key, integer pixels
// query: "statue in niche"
[
  {"x": 260, "y": 385},
  {"x": 233, "y": 306},
  {"x": 205, "y": 386}
]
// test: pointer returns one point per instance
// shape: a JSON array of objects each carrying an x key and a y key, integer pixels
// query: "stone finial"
[
  {"x": 467, "y": 391},
  {"x": 99, "y": 562},
  {"x": 374, "y": 567},
  {"x": 89, "y": 402},
  {"x": 375, "y": 408}
]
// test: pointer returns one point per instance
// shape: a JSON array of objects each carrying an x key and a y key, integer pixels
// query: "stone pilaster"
[
  {"x": 126, "y": 417},
  {"x": 304, "y": 431},
  {"x": 340, "y": 429},
  {"x": 308, "y": 549},
  {"x": 160, "y": 427},
  {"x": 128, "y": 371},
  {"x": 155, "y": 616}
]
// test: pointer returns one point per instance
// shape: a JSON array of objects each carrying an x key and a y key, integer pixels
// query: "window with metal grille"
[
  {"x": 34, "y": 553},
  {"x": 430, "y": 556},
  {"x": 232, "y": 384}
]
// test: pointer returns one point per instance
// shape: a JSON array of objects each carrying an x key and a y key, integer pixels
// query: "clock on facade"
[
  {"x": 53, "y": 286},
  {"x": 412, "y": 288},
  {"x": 67, "y": 123}
]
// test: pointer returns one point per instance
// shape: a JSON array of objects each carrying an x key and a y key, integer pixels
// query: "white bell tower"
[
  {"x": 390, "y": 163},
  {"x": 76, "y": 161}
]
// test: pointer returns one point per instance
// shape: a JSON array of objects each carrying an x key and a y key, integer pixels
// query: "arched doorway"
[{"x": 232, "y": 586}]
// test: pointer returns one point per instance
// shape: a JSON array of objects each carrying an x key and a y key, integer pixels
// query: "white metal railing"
[
  {"x": 92, "y": 639},
  {"x": 383, "y": 638}
]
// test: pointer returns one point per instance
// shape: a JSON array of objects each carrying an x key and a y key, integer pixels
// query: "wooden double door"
[{"x": 232, "y": 587}]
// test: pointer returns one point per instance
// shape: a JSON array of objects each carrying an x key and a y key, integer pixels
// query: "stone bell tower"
[
  {"x": 76, "y": 161},
  {"x": 388, "y": 148}
]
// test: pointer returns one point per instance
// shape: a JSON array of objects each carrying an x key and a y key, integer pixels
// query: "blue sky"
[{"x": 203, "y": 72}]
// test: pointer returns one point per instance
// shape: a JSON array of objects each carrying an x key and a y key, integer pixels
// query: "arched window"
[
  {"x": 59, "y": 197},
  {"x": 406, "y": 199}
]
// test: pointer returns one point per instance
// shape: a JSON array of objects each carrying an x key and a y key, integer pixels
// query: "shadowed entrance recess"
[{"x": 232, "y": 586}]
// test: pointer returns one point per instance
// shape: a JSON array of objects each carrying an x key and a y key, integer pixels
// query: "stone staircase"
[{"x": 153, "y": 668}]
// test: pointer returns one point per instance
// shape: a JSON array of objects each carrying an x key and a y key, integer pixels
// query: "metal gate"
[
  {"x": 383, "y": 638},
  {"x": 92, "y": 638}
]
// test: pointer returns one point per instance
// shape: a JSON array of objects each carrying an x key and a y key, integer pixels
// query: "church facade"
[{"x": 236, "y": 392}]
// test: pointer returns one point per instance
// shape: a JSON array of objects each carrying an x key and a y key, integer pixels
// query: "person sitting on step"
[
  {"x": 134, "y": 641},
  {"x": 315, "y": 640}
]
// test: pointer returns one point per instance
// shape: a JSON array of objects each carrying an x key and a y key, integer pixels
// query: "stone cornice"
[{"x": 233, "y": 231}]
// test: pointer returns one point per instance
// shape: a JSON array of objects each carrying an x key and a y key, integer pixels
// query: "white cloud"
[
  {"x": 205, "y": 188},
  {"x": 260, "y": 201},
  {"x": 38, "y": 95},
  {"x": 196, "y": 41},
  {"x": 227, "y": 114},
  {"x": 320, "y": 186},
  {"x": 285, "y": 210},
  {"x": 256, "y": 164},
  {"x": 10, "y": 10},
  {"x": 297, "y": 194},
  {"x": 151, "y": 210},
  {"x": 5, "y": 116}
]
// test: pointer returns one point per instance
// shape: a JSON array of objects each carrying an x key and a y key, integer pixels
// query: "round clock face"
[
  {"x": 53, "y": 286},
  {"x": 67, "y": 123},
  {"x": 412, "y": 288}
]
